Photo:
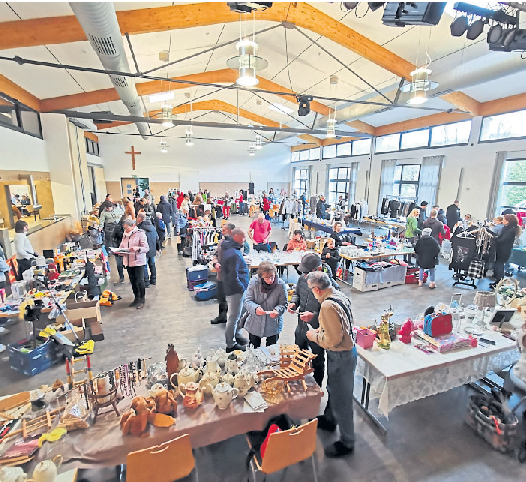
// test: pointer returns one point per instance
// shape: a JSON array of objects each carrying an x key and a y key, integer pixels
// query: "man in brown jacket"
[{"x": 335, "y": 335}]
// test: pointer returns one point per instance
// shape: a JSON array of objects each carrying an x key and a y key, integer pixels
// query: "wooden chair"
[
  {"x": 287, "y": 448},
  {"x": 167, "y": 462}
]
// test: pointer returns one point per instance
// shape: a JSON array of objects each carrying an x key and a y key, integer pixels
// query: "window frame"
[
  {"x": 401, "y": 182},
  {"x": 448, "y": 124},
  {"x": 18, "y": 113},
  {"x": 415, "y": 130},
  {"x": 503, "y": 183},
  {"x": 347, "y": 180},
  {"x": 303, "y": 182},
  {"x": 502, "y": 138}
]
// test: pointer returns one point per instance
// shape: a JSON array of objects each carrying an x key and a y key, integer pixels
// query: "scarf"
[{"x": 267, "y": 288}]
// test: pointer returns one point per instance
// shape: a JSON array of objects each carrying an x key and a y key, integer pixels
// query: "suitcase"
[
  {"x": 196, "y": 273},
  {"x": 192, "y": 284},
  {"x": 206, "y": 291}
]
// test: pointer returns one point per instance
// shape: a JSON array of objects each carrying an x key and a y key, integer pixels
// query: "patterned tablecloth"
[{"x": 404, "y": 373}]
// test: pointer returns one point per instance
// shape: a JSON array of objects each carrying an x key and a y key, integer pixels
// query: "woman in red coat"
[{"x": 266, "y": 204}]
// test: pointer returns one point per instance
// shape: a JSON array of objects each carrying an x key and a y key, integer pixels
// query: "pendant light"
[
  {"x": 164, "y": 146},
  {"x": 252, "y": 149},
  {"x": 189, "y": 136},
  {"x": 331, "y": 120},
  {"x": 258, "y": 142},
  {"x": 166, "y": 115},
  {"x": 419, "y": 86}
]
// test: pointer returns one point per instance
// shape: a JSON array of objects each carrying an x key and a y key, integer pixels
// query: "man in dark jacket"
[
  {"x": 107, "y": 202},
  {"x": 423, "y": 214},
  {"x": 165, "y": 208},
  {"x": 308, "y": 308},
  {"x": 226, "y": 230},
  {"x": 441, "y": 214},
  {"x": 149, "y": 209},
  {"x": 235, "y": 281},
  {"x": 437, "y": 228},
  {"x": 151, "y": 235},
  {"x": 453, "y": 215},
  {"x": 321, "y": 208}
]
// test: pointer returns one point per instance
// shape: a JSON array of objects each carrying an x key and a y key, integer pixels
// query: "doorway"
[{"x": 129, "y": 184}]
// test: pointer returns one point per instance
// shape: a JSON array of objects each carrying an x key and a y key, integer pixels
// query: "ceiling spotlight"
[
  {"x": 350, "y": 5},
  {"x": 166, "y": 115},
  {"x": 247, "y": 63},
  {"x": 495, "y": 33},
  {"x": 475, "y": 29},
  {"x": 304, "y": 105},
  {"x": 459, "y": 26},
  {"x": 375, "y": 5}
]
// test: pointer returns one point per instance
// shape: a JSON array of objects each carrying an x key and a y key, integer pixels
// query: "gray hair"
[
  {"x": 318, "y": 279},
  {"x": 230, "y": 226},
  {"x": 129, "y": 222},
  {"x": 266, "y": 267}
]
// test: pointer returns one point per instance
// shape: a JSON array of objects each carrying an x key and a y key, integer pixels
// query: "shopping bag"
[{"x": 438, "y": 325}]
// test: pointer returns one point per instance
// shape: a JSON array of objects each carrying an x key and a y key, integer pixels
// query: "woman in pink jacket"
[{"x": 134, "y": 240}]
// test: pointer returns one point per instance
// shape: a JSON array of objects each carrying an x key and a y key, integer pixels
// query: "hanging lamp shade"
[
  {"x": 258, "y": 142},
  {"x": 419, "y": 86},
  {"x": 247, "y": 63},
  {"x": 164, "y": 146},
  {"x": 331, "y": 128},
  {"x": 166, "y": 115}
]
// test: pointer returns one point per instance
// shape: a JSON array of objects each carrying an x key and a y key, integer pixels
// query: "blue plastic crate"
[
  {"x": 35, "y": 361},
  {"x": 196, "y": 273}
]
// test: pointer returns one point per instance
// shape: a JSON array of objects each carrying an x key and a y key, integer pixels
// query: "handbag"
[{"x": 438, "y": 325}]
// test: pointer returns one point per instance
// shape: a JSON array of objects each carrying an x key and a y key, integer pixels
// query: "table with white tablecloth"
[{"x": 404, "y": 374}]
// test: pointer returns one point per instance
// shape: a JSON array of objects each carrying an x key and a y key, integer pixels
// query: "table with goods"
[
  {"x": 213, "y": 396},
  {"x": 316, "y": 224},
  {"x": 446, "y": 347}
]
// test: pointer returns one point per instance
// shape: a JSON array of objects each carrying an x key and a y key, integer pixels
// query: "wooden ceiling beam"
[
  {"x": 463, "y": 101},
  {"x": 362, "y": 127},
  {"x": 421, "y": 122},
  {"x": 13, "y": 90},
  {"x": 303, "y": 147},
  {"x": 506, "y": 104},
  {"x": 311, "y": 139}
]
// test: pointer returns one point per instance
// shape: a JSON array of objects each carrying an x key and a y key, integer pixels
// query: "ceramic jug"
[
  {"x": 197, "y": 359},
  {"x": 47, "y": 470},
  {"x": 228, "y": 378},
  {"x": 208, "y": 382},
  {"x": 187, "y": 375},
  {"x": 193, "y": 395},
  {"x": 183, "y": 363},
  {"x": 232, "y": 365},
  {"x": 223, "y": 395},
  {"x": 12, "y": 474},
  {"x": 244, "y": 381},
  {"x": 212, "y": 364},
  {"x": 221, "y": 357}
]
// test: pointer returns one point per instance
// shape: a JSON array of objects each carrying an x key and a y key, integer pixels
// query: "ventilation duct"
[{"x": 99, "y": 22}]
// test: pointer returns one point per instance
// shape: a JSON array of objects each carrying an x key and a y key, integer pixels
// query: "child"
[
  {"x": 161, "y": 230},
  {"x": 297, "y": 243},
  {"x": 331, "y": 256}
]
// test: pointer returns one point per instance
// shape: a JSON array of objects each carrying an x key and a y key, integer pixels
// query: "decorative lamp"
[
  {"x": 166, "y": 115},
  {"x": 247, "y": 63},
  {"x": 483, "y": 300},
  {"x": 419, "y": 86}
]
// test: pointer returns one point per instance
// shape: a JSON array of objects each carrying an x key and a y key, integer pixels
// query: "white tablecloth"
[{"x": 404, "y": 373}]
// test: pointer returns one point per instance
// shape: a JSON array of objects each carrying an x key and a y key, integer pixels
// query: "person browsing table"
[{"x": 259, "y": 232}]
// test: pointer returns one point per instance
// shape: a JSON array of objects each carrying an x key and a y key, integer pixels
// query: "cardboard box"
[
  {"x": 74, "y": 321},
  {"x": 79, "y": 330},
  {"x": 79, "y": 310}
]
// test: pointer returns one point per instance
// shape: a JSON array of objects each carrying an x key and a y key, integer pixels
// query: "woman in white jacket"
[{"x": 23, "y": 249}]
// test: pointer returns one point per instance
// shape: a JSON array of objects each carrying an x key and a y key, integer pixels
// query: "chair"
[
  {"x": 167, "y": 462},
  {"x": 287, "y": 448}
]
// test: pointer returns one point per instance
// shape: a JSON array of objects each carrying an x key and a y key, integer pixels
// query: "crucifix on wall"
[{"x": 133, "y": 152}]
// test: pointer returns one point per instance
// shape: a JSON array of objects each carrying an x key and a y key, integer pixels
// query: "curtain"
[
  {"x": 386, "y": 180},
  {"x": 352, "y": 183},
  {"x": 495, "y": 184},
  {"x": 429, "y": 179}
]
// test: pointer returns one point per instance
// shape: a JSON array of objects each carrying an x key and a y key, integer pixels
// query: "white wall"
[
  {"x": 205, "y": 161},
  {"x": 477, "y": 160},
  {"x": 22, "y": 152}
]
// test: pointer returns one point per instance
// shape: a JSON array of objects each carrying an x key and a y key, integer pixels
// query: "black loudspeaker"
[{"x": 251, "y": 188}]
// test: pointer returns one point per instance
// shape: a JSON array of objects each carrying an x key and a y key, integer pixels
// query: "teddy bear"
[
  {"x": 165, "y": 402},
  {"x": 136, "y": 420}
]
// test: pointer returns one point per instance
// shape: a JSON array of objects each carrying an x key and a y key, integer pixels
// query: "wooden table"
[{"x": 379, "y": 255}]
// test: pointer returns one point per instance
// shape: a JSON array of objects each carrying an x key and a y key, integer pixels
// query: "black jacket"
[
  {"x": 234, "y": 270},
  {"x": 421, "y": 217},
  {"x": 93, "y": 281},
  {"x": 165, "y": 208},
  {"x": 151, "y": 236},
  {"x": 504, "y": 243},
  {"x": 436, "y": 227},
  {"x": 442, "y": 216},
  {"x": 321, "y": 209},
  {"x": 427, "y": 250},
  {"x": 453, "y": 216}
]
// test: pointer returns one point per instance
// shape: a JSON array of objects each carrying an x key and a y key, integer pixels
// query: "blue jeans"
[
  {"x": 340, "y": 386},
  {"x": 235, "y": 306},
  {"x": 168, "y": 230},
  {"x": 150, "y": 262},
  {"x": 431, "y": 274}
]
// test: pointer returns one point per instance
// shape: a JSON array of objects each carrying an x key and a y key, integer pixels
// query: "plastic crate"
[
  {"x": 35, "y": 361},
  {"x": 197, "y": 273},
  {"x": 365, "y": 338}
]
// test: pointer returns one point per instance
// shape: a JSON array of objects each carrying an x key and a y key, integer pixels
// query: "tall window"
[
  {"x": 513, "y": 188},
  {"x": 406, "y": 179},
  {"x": 301, "y": 182},
  {"x": 339, "y": 179},
  {"x": 446, "y": 135},
  {"x": 504, "y": 126}
]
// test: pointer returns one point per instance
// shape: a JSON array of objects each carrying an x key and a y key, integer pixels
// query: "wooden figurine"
[
  {"x": 172, "y": 364},
  {"x": 135, "y": 421},
  {"x": 165, "y": 402}
]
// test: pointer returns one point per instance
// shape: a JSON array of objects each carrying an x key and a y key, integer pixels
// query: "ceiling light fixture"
[
  {"x": 304, "y": 105},
  {"x": 331, "y": 121},
  {"x": 459, "y": 26},
  {"x": 258, "y": 145},
  {"x": 331, "y": 127},
  {"x": 162, "y": 96},
  {"x": 475, "y": 29},
  {"x": 166, "y": 115},
  {"x": 189, "y": 136},
  {"x": 164, "y": 146},
  {"x": 419, "y": 86},
  {"x": 252, "y": 149}
]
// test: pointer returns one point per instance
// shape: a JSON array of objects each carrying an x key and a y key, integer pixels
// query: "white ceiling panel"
[
  {"x": 28, "y": 10},
  {"x": 496, "y": 89}
]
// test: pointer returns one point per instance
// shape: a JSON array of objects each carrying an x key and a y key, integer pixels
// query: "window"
[
  {"x": 446, "y": 135},
  {"x": 504, "y": 126},
  {"x": 339, "y": 178},
  {"x": 301, "y": 182},
  {"x": 412, "y": 139},
  {"x": 314, "y": 154},
  {"x": 406, "y": 179},
  {"x": 513, "y": 188},
  {"x": 295, "y": 157},
  {"x": 329, "y": 151},
  {"x": 344, "y": 149},
  {"x": 19, "y": 117},
  {"x": 92, "y": 147},
  {"x": 388, "y": 143},
  {"x": 304, "y": 155},
  {"x": 363, "y": 146}
]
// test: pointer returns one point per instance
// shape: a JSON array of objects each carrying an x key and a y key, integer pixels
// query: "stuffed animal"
[
  {"x": 136, "y": 420},
  {"x": 165, "y": 402}
]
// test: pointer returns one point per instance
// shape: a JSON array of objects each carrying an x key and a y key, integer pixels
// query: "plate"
[{"x": 471, "y": 330}]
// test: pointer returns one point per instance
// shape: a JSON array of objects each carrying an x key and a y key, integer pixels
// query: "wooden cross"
[{"x": 133, "y": 153}]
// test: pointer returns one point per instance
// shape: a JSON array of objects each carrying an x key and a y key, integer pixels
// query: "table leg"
[{"x": 366, "y": 388}]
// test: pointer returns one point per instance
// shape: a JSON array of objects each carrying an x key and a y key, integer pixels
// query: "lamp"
[
  {"x": 459, "y": 26},
  {"x": 258, "y": 142},
  {"x": 483, "y": 300},
  {"x": 247, "y": 63},
  {"x": 164, "y": 146},
  {"x": 475, "y": 29},
  {"x": 252, "y": 149},
  {"x": 304, "y": 105},
  {"x": 166, "y": 115},
  {"x": 419, "y": 86},
  {"x": 331, "y": 125},
  {"x": 189, "y": 140}
]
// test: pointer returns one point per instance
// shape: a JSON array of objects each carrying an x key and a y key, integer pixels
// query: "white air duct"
[{"x": 99, "y": 22}]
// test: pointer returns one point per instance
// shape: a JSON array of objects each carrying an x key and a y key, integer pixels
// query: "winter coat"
[
  {"x": 151, "y": 236},
  {"x": 266, "y": 204},
  {"x": 4, "y": 267},
  {"x": 173, "y": 203},
  {"x": 411, "y": 228},
  {"x": 321, "y": 209},
  {"x": 427, "y": 250},
  {"x": 333, "y": 252},
  {"x": 149, "y": 210},
  {"x": 452, "y": 216},
  {"x": 504, "y": 243},
  {"x": 93, "y": 282},
  {"x": 180, "y": 222},
  {"x": 180, "y": 199},
  {"x": 234, "y": 269},
  {"x": 276, "y": 299},
  {"x": 437, "y": 228},
  {"x": 136, "y": 237},
  {"x": 103, "y": 205},
  {"x": 165, "y": 208},
  {"x": 441, "y": 216},
  {"x": 421, "y": 217}
]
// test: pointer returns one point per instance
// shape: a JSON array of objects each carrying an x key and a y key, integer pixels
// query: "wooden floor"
[{"x": 427, "y": 440}]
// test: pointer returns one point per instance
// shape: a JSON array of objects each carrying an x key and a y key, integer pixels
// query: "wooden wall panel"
[
  {"x": 114, "y": 188},
  {"x": 159, "y": 189},
  {"x": 100, "y": 183}
]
